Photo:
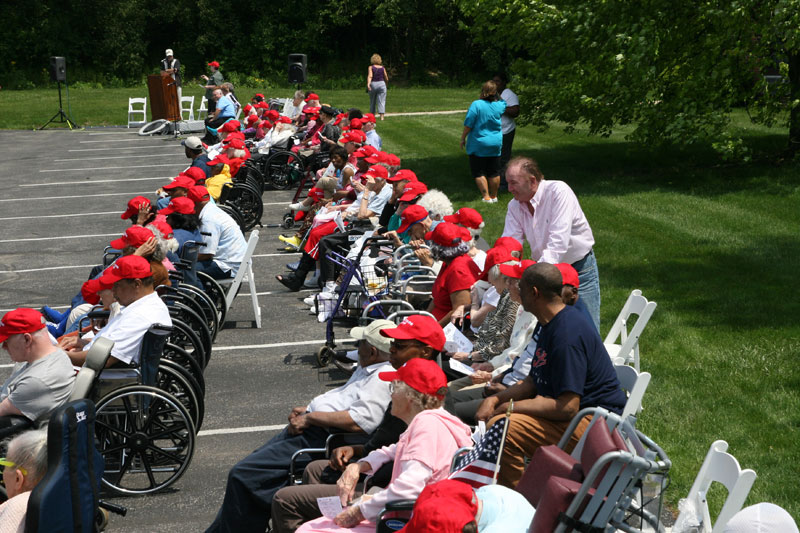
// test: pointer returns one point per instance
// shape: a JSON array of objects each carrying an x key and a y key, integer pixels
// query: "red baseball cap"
[
  {"x": 366, "y": 151},
  {"x": 444, "y": 507},
  {"x": 392, "y": 160},
  {"x": 196, "y": 173},
  {"x": 20, "y": 320},
  {"x": 418, "y": 327},
  {"x": 284, "y": 119},
  {"x": 126, "y": 267},
  {"x": 377, "y": 171},
  {"x": 231, "y": 126},
  {"x": 221, "y": 159},
  {"x": 377, "y": 157},
  {"x": 162, "y": 226},
  {"x": 448, "y": 234},
  {"x": 403, "y": 174},
  {"x": 368, "y": 117},
  {"x": 198, "y": 194},
  {"x": 251, "y": 119},
  {"x": 235, "y": 143},
  {"x": 273, "y": 114},
  {"x": 258, "y": 94},
  {"x": 246, "y": 110},
  {"x": 569, "y": 275},
  {"x": 90, "y": 290},
  {"x": 214, "y": 64},
  {"x": 262, "y": 105},
  {"x": 356, "y": 124},
  {"x": 467, "y": 217},
  {"x": 510, "y": 243},
  {"x": 339, "y": 118},
  {"x": 412, "y": 190},
  {"x": 495, "y": 256},
  {"x": 184, "y": 182},
  {"x": 311, "y": 96},
  {"x": 310, "y": 110},
  {"x": 422, "y": 375},
  {"x": 515, "y": 271},
  {"x": 183, "y": 205},
  {"x": 134, "y": 236},
  {"x": 133, "y": 206},
  {"x": 412, "y": 215}
]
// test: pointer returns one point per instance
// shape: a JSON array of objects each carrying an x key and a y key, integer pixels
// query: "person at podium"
[{"x": 171, "y": 66}]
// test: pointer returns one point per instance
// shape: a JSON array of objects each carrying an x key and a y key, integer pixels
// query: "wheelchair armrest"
[
  {"x": 400, "y": 505},
  {"x": 336, "y": 440},
  {"x": 12, "y": 425},
  {"x": 99, "y": 313}
]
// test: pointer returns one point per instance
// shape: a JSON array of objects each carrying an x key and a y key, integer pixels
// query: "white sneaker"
[
  {"x": 310, "y": 300},
  {"x": 494, "y": 200}
]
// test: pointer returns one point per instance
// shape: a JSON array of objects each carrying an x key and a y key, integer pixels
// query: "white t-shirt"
[
  {"x": 507, "y": 123},
  {"x": 226, "y": 242}
]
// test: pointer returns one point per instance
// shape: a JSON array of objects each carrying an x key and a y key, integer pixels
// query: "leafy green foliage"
[{"x": 673, "y": 69}]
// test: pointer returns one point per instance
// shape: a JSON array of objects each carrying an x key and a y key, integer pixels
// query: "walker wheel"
[
  {"x": 324, "y": 355},
  {"x": 288, "y": 221}
]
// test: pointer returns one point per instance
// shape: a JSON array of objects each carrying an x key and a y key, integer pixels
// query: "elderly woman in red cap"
[
  {"x": 421, "y": 456},
  {"x": 451, "y": 244}
]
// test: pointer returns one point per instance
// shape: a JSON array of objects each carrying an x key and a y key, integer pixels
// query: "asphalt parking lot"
[{"x": 64, "y": 194}]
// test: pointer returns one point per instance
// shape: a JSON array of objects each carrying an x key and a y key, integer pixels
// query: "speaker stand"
[{"x": 60, "y": 114}]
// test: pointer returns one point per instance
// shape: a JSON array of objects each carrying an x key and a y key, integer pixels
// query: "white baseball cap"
[
  {"x": 372, "y": 334},
  {"x": 169, "y": 52}
]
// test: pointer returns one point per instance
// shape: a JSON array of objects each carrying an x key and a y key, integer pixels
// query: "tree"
[{"x": 674, "y": 69}]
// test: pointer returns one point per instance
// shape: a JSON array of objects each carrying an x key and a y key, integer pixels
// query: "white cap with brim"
[
  {"x": 169, "y": 52},
  {"x": 372, "y": 334},
  {"x": 193, "y": 143}
]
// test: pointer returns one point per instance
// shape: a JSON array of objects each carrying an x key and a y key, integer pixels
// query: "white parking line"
[
  {"x": 138, "y": 139},
  {"x": 55, "y": 239},
  {"x": 92, "y": 182},
  {"x": 230, "y": 431},
  {"x": 60, "y": 216},
  {"x": 117, "y": 133},
  {"x": 274, "y": 345},
  {"x": 277, "y": 255},
  {"x": 73, "y": 196},
  {"x": 114, "y": 157},
  {"x": 35, "y": 306},
  {"x": 63, "y": 267},
  {"x": 111, "y": 168},
  {"x": 257, "y": 294},
  {"x": 123, "y": 148}
]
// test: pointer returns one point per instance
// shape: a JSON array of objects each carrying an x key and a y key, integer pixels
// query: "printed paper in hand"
[
  {"x": 458, "y": 366},
  {"x": 455, "y": 341},
  {"x": 330, "y": 507}
]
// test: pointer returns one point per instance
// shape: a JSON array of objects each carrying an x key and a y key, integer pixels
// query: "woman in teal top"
[{"x": 484, "y": 140}]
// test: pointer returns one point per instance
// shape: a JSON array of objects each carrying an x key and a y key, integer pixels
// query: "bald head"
[{"x": 546, "y": 278}]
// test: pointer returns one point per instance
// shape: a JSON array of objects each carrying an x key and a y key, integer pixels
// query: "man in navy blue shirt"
[{"x": 570, "y": 370}]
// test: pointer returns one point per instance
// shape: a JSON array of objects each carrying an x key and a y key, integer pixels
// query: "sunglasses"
[{"x": 11, "y": 464}]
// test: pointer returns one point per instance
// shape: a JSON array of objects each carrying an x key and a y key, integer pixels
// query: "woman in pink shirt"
[{"x": 421, "y": 456}]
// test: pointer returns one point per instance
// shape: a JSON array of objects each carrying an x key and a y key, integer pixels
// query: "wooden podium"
[{"x": 163, "y": 98}]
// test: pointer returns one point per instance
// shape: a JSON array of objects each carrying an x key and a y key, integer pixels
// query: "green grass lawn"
[
  {"x": 106, "y": 107},
  {"x": 715, "y": 245}
]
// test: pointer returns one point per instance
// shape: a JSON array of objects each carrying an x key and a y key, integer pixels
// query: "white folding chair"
[
  {"x": 723, "y": 468},
  {"x": 187, "y": 108},
  {"x": 634, "y": 384},
  {"x": 136, "y": 111},
  {"x": 245, "y": 269},
  {"x": 202, "y": 111},
  {"x": 627, "y": 350}
]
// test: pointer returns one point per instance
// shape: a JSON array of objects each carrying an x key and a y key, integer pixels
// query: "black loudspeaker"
[
  {"x": 58, "y": 68},
  {"x": 297, "y": 68}
]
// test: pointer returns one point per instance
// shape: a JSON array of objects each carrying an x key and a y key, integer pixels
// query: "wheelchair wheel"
[
  {"x": 324, "y": 355},
  {"x": 248, "y": 201},
  {"x": 233, "y": 211},
  {"x": 284, "y": 169},
  {"x": 154, "y": 127},
  {"x": 179, "y": 356},
  {"x": 146, "y": 438},
  {"x": 195, "y": 322},
  {"x": 288, "y": 221},
  {"x": 183, "y": 336},
  {"x": 217, "y": 294},
  {"x": 179, "y": 383},
  {"x": 206, "y": 304}
]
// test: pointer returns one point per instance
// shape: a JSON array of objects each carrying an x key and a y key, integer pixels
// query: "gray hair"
[
  {"x": 437, "y": 204},
  {"x": 419, "y": 399},
  {"x": 446, "y": 253},
  {"x": 29, "y": 451},
  {"x": 299, "y": 94}
]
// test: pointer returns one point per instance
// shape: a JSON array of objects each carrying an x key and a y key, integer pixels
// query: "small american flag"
[{"x": 479, "y": 467}]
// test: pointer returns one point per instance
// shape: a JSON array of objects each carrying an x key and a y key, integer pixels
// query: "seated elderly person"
[
  {"x": 224, "y": 249},
  {"x": 223, "y": 112},
  {"x": 356, "y": 406},
  {"x": 416, "y": 336},
  {"x": 389, "y": 219},
  {"x": 42, "y": 377},
  {"x": 468, "y": 218},
  {"x": 339, "y": 169},
  {"x": 451, "y": 245},
  {"x": 24, "y": 466},
  {"x": 131, "y": 279},
  {"x": 414, "y": 225},
  {"x": 421, "y": 456},
  {"x": 370, "y": 201},
  {"x": 293, "y": 107}
]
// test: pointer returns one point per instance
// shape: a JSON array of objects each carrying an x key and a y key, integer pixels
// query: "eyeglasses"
[{"x": 11, "y": 464}]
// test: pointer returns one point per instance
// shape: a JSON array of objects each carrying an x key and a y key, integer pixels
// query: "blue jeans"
[
  {"x": 253, "y": 482},
  {"x": 589, "y": 291},
  {"x": 212, "y": 269}
]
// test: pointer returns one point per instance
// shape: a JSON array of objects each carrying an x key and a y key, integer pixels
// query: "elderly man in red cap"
[
  {"x": 131, "y": 281},
  {"x": 42, "y": 377},
  {"x": 212, "y": 83}
]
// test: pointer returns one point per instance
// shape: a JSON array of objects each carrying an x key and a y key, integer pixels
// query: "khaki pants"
[{"x": 525, "y": 435}]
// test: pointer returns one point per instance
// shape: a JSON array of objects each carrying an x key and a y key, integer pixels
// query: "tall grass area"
[{"x": 717, "y": 246}]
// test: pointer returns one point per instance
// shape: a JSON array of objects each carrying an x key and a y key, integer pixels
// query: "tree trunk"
[{"x": 794, "y": 113}]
